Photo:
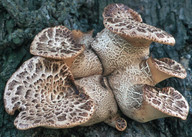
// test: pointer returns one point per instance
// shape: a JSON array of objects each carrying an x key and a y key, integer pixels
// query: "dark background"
[{"x": 21, "y": 20}]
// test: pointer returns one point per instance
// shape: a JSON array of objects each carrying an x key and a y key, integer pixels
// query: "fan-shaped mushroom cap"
[
  {"x": 167, "y": 100},
  {"x": 115, "y": 52},
  {"x": 56, "y": 43},
  {"x": 116, "y": 121},
  {"x": 127, "y": 23},
  {"x": 165, "y": 68},
  {"x": 44, "y": 92},
  {"x": 99, "y": 91}
]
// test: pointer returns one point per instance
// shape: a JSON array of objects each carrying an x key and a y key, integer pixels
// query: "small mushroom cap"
[
  {"x": 45, "y": 94},
  {"x": 170, "y": 67},
  {"x": 121, "y": 124},
  {"x": 127, "y": 23},
  {"x": 117, "y": 122},
  {"x": 167, "y": 100},
  {"x": 56, "y": 43}
]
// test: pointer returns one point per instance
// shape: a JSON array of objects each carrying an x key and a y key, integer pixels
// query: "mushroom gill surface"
[{"x": 45, "y": 94}]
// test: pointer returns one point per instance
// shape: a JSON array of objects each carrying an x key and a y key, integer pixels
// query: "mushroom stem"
[
  {"x": 115, "y": 52},
  {"x": 117, "y": 122},
  {"x": 99, "y": 90},
  {"x": 165, "y": 68},
  {"x": 87, "y": 63},
  {"x": 147, "y": 113}
]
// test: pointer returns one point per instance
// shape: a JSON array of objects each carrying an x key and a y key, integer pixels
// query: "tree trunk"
[{"x": 21, "y": 20}]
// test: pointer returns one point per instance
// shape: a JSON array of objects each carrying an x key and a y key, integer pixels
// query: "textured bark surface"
[{"x": 21, "y": 20}]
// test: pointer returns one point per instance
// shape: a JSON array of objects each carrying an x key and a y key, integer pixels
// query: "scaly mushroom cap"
[
  {"x": 45, "y": 94},
  {"x": 167, "y": 100},
  {"x": 127, "y": 23},
  {"x": 56, "y": 43},
  {"x": 99, "y": 91},
  {"x": 165, "y": 68}
]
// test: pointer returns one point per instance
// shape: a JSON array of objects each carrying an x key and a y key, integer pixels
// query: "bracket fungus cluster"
[{"x": 77, "y": 80}]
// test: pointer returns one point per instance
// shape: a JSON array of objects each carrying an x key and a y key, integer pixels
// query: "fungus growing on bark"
[
  {"x": 45, "y": 94},
  {"x": 56, "y": 43},
  {"x": 128, "y": 91},
  {"x": 125, "y": 37}
]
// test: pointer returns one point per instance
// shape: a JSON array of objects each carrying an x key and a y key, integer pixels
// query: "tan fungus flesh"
[
  {"x": 170, "y": 67},
  {"x": 132, "y": 29},
  {"x": 45, "y": 94},
  {"x": 105, "y": 104},
  {"x": 87, "y": 63},
  {"x": 56, "y": 43},
  {"x": 164, "y": 68}
]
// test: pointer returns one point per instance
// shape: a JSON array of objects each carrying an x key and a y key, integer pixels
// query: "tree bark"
[{"x": 21, "y": 20}]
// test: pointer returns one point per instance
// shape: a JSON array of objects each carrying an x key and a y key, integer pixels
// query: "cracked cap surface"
[
  {"x": 167, "y": 100},
  {"x": 127, "y": 23},
  {"x": 45, "y": 94},
  {"x": 56, "y": 43}
]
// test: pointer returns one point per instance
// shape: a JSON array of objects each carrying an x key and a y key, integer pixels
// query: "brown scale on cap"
[
  {"x": 56, "y": 43},
  {"x": 125, "y": 38},
  {"x": 123, "y": 21},
  {"x": 116, "y": 11},
  {"x": 45, "y": 94}
]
